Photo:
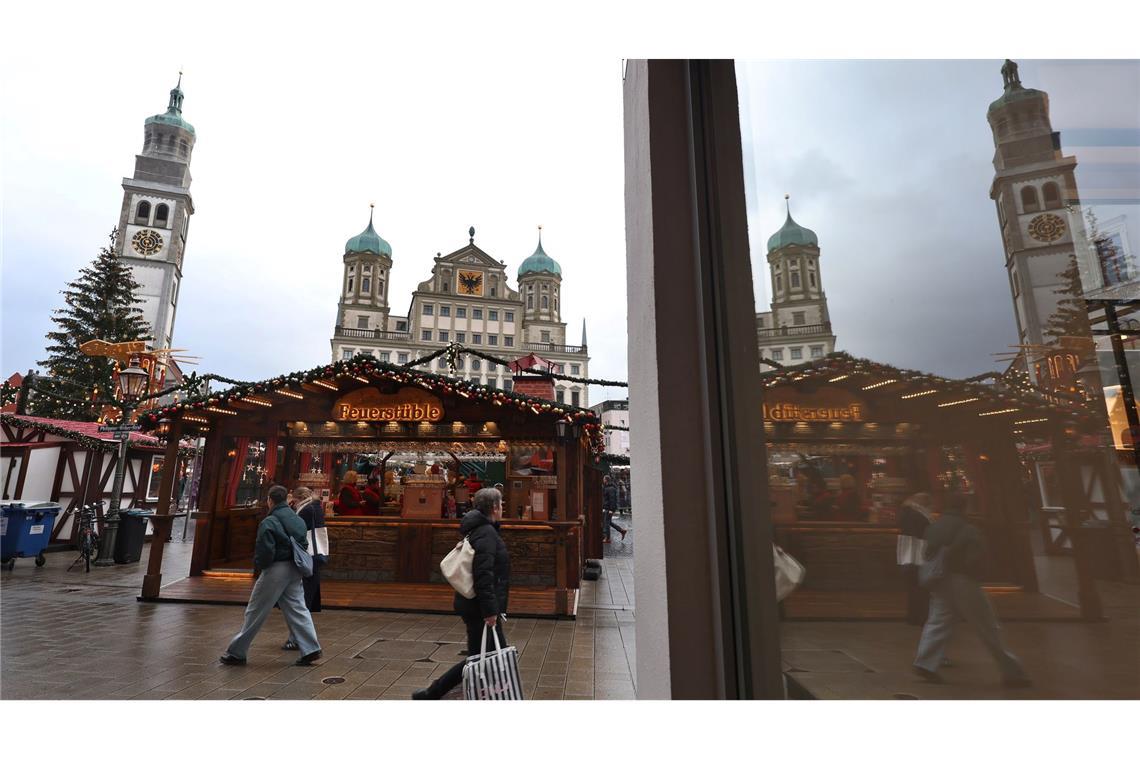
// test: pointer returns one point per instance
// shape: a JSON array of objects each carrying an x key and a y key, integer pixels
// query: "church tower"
[
  {"x": 363, "y": 306},
  {"x": 540, "y": 279},
  {"x": 156, "y": 213},
  {"x": 798, "y": 328},
  {"x": 1033, "y": 188}
]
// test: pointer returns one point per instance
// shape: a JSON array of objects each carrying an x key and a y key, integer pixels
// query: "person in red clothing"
[
  {"x": 349, "y": 502},
  {"x": 473, "y": 483},
  {"x": 373, "y": 496}
]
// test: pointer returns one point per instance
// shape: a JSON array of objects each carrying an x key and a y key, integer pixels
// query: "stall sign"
[
  {"x": 370, "y": 405},
  {"x": 791, "y": 412}
]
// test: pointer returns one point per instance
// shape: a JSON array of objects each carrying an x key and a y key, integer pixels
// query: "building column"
[{"x": 707, "y": 626}]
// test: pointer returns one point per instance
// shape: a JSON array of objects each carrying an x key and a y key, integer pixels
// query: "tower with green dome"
[
  {"x": 798, "y": 328},
  {"x": 363, "y": 308},
  {"x": 155, "y": 215},
  {"x": 540, "y": 280}
]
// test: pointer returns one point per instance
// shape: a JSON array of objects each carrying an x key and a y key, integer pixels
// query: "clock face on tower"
[
  {"x": 1046, "y": 228},
  {"x": 146, "y": 242},
  {"x": 470, "y": 283}
]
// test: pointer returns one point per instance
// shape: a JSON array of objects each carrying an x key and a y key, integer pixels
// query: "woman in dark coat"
[
  {"x": 491, "y": 568},
  {"x": 312, "y": 512}
]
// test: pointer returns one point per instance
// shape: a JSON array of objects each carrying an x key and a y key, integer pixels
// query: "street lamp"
[{"x": 132, "y": 385}]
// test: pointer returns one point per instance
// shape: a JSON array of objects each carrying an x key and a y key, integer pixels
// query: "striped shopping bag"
[{"x": 492, "y": 675}]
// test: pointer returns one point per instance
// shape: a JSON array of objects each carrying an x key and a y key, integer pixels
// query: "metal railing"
[{"x": 352, "y": 332}]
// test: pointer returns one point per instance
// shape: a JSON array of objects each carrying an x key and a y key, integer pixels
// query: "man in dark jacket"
[
  {"x": 610, "y": 505},
  {"x": 491, "y": 569},
  {"x": 279, "y": 583},
  {"x": 958, "y": 594}
]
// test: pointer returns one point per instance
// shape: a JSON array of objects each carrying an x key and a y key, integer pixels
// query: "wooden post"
[{"x": 162, "y": 519}]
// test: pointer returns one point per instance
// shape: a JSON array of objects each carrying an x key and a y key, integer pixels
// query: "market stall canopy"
[
  {"x": 853, "y": 381},
  {"x": 85, "y": 433},
  {"x": 365, "y": 390}
]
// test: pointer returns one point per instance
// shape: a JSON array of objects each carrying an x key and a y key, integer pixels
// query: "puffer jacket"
[
  {"x": 273, "y": 536},
  {"x": 491, "y": 568},
  {"x": 965, "y": 549}
]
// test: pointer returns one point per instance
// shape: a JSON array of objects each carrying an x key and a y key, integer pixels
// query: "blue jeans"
[
  {"x": 279, "y": 584},
  {"x": 957, "y": 596}
]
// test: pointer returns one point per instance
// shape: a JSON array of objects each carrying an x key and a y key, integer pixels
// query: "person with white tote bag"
[{"x": 488, "y": 585}]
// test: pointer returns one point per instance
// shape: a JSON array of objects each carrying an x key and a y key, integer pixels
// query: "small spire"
[
  {"x": 371, "y": 210},
  {"x": 583, "y": 332},
  {"x": 179, "y": 85},
  {"x": 471, "y": 234},
  {"x": 540, "y": 234},
  {"x": 788, "y": 203}
]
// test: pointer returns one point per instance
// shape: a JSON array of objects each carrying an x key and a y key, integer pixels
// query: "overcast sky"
[{"x": 888, "y": 162}]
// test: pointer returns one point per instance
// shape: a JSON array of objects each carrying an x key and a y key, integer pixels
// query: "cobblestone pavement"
[{"x": 70, "y": 635}]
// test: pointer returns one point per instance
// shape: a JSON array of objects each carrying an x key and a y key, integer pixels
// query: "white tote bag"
[
  {"x": 789, "y": 573},
  {"x": 457, "y": 568},
  {"x": 494, "y": 675}
]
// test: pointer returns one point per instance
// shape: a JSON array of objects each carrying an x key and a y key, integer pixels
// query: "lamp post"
[{"x": 132, "y": 385}]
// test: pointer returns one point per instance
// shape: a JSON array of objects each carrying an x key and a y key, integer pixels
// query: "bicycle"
[{"x": 87, "y": 538}]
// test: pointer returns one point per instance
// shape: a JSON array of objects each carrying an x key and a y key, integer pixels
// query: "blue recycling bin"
[{"x": 25, "y": 529}]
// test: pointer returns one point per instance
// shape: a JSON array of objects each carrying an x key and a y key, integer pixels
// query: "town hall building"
[{"x": 468, "y": 299}]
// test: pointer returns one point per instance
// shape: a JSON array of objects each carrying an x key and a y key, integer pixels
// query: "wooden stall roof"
[
  {"x": 84, "y": 433},
  {"x": 356, "y": 373},
  {"x": 933, "y": 396}
]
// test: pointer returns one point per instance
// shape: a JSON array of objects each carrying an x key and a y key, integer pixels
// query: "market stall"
[
  {"x": 423, "y": 442},
  {"x": 849, "y": 440}
]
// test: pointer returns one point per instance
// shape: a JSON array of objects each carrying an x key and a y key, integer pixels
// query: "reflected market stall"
[
  {"x": 849, "y": 440},
  {"x": 418, "y": 445}
]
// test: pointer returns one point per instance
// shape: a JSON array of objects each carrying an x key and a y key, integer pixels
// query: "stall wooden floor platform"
[
  {"x": 1012, "y": 605},
  {"x": 234, "y": 588}
]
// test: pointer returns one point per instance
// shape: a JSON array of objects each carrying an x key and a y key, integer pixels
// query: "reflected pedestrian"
[
  {"x": 491, "y": 568},
  {"x": 958, "y": 594},
  {"x": 913, "y": 520},
  {"x": 279, "y": 582}
]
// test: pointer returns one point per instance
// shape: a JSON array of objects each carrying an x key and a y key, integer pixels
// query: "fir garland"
[
  {"x": 454, "y": 350},
  {"x": 97, "y": 444},
  {"x": 375, "y": 369}
]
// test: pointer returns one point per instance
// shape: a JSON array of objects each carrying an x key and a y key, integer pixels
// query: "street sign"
[
  {"x": 121, "y": 435},
  {"x": 119, "y": 428}
]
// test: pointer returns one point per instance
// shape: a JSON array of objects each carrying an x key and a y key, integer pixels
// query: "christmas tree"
[{"x": 100, "y": 305}]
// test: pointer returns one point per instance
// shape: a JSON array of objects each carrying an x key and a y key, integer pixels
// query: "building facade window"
[
  {"x": 575, "y": 397},
  {"x": 508, "y": 316},
  {"x": 817, "y": 352},
  {"x": 530, "y": 302},
  {"x": 442, "y": 363},
  {"x": 508, "y": 341},
  {"x": 362, "y": 323},
  {"x": 1051, "y": 192},
  {"x": 491, "y": 383},
  {"x": 444, "y": 336},
  {"x": 445, "y": 311},
  {"x": 142, "y": 213},
  {"x": 385, "y": 356},
  {"x": 798, "y": 318},
  {"x": 460, "y": 337},
  {"x": 492, "y": 315},
  {"x": 461, "y": 312},
  {"x": 162, "y": 213},
  {"x": 477, "y": 339},
  {"x": 492, "y": 340},
  {"x": 350, "y": 283},
  {"x": 778, "y": 354},
  {"x": 401, "y": 326},
  {"x": 795, "y": 279},
  {"x": 428, "y": 310},
  {"x": 507, "y": 385},
  {"x": 346, "y": 353},
  {"x": 402, "y": 357},
  {"x": 575, "y": 369},
  {"x": 544, "y": 336},
  {"x": 797, "y": 353},
  {"x": 425, "y": 335},
  {"x": 1029, "y": 200},
  {"x": 476, "y": 365},
  {"x": 365, "y": 284},
  {"x": 476, "y": 313},
  {"x": 546, "y": 302},
  {"x": 364, "y": 352},
  {"x": 560, "y": 396}
]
